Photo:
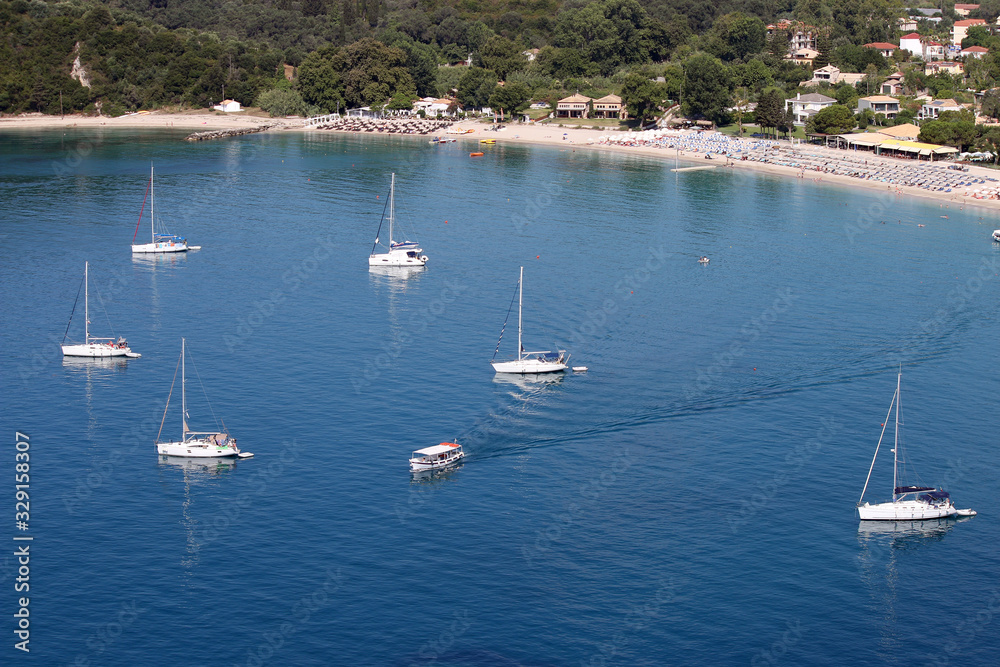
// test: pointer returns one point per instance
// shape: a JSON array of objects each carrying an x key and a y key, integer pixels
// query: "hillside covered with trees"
[{"x": 125, "y": 55}]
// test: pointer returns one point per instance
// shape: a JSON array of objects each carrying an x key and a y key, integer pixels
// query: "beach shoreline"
[{"x": 568, "y": 138}]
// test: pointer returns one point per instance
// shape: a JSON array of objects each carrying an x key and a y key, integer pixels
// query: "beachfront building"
[
  {"x": 974, "y": 52},
  {"x": 804, "y": 107},
  {"x": 961, "y": 28},
  {"x": 935, "y": 108},
  {"x": 574, "y": 106},
  {"x": 433, "y": 106},
  {"x": 951, "y": 67},
  {"x": 906, "y": 131},
  {"x": 610, "y": 106},
  {"x": 885, "y": 48},
  {"x": 881, "y": 143},
  {"x": 887, "y": 106},
  {"x": 228, "y": 106}
]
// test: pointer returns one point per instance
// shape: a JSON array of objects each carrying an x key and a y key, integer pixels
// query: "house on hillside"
[
  {"x": 805, "y": 106},
  {"x": 893, "y": 85},
  {"x": 885, "y": 48},
  {"x": 974, "y": 52},
  {"x": 574, "y": 106},
  {"x": 832, "y": 75},
  {"x": 803, "y": 56},
  {"x": 963, "y": 9},
  {"x": 912, "y": 44},
  {"x": 935, "y": 108},
  {"x": 887, "y": 106},
  {"x": 961, "y": 29},
  {"x": 950, "y": 67}
]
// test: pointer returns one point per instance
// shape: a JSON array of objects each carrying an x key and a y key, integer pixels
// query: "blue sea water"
[{"x": 689, "y": 500}]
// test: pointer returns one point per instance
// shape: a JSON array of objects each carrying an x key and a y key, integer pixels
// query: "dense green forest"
[{"x": 141, "y": 54}]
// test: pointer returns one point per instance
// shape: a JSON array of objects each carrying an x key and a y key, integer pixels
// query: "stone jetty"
[{"x": 222, "y": 134}]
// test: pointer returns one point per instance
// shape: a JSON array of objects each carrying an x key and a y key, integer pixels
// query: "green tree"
[
  {"x": 400, "y": 102},
  {"x": 511, "y": 98},
  {"x": 502, "y": 56},
  {"x": 834, "y": 119},
  {"x": 736, "y": 36},
  {"x": 642, "y": 96},
  {"x": 770, "y": 110},
  {"x": 475, "y": 87},
  {"x": 707, "y": 87},
  {"x": 281, "y": 102}
]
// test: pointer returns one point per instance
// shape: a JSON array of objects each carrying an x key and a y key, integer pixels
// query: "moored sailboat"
[
  {"x": 158, "y": 243},
  {"x": 400, "y": 253},
  {"x": 909, "y": 502},
  {"x": 195, "y": 444},
  {"x": 93, "y": 346},
  {"x": 528, "y": 362}
]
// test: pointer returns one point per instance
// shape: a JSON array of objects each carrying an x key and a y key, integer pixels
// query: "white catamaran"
[
  {"x": 93, "y": 346},
  {"x": 158, "y": 242},
  {"x": 909, "y": 503},
  {"x": 527, "y": 362},
  {"x": 195, "y": 444},
  {"x": 400, "y": 253}
]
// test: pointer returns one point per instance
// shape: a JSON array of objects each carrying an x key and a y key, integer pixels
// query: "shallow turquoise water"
[{"x": 689, "y": 500}]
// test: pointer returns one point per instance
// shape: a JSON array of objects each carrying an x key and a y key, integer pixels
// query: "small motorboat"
[
  {"x": 477, "y": 154},
  {"x": 439, "y": 456},
  {"x": 703, "y": 260},
  {"x": 487, "y": 141},
  {"x": 996, "y": 235},
  {"x": 580, "y": 369},
  {"x": 965, "y": 512}
]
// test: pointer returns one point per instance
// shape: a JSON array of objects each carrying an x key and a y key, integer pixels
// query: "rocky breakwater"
[{"x": 234, "y": 132}]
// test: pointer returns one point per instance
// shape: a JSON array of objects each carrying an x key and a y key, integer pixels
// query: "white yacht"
[
  {"x": 528, "y": 362},
  {"x": 158, "y": 243},
  {"x": 398, "y": 253},
  {"x": 909, "y": 502},
  {"x": 92, "y": 346},
  {"x": 195, "y": 444}
]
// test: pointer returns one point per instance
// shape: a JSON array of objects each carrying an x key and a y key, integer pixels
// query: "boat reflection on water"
[
  {"x": 194, "y": 471},
  {"x": 433, "y": 477},
  {"x": 95, "y": 366},
  {"x": 530, "y": 382},
  {"x": 395, "y": 276},
  {"x": 155, "y": 260},
  {"x": 898, "y": 533}
]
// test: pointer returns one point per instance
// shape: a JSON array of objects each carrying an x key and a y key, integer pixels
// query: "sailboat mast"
[
  {"x": 520, "y": 303},
  {"x": 184, "y": 407},
  {"x": 392, "y": 207},
  {"x": 152, "y": 218},
  {"x": 86, "y": 303},
  {"x": 895, "y": 449}
]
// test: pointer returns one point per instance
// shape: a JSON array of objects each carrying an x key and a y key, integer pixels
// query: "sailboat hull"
[
  {"x": 905, "y": 510},
  {"x": 96, "y": 351},
  {"x": 395, "y": 258},
  {"x": 202, "y": 449},
  {"x": 159, "y": 247},
  {"x": 524, "y": 366}
]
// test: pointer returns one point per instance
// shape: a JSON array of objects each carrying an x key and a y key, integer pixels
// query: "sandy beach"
[{"x": 569, "y": 138}]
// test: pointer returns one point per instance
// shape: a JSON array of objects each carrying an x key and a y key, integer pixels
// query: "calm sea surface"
[{"x": 689, "y": 500}]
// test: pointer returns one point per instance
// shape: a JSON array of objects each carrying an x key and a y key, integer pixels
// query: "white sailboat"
[
  {"x": 528, "y": 362},
  {"x": 158, "y": 243},
  {"x": 195, "y": 444},
  {"x": 909, "y": 503},
  {"x": 399, "y": 253},
  {"x": 92, "y": 346}
]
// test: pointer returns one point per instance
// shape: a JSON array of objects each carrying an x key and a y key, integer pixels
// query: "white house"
[
  {"x": 228, "y": 106},
  {"x": 805, "y": 106},
  {"x": 832, "y": 75},
  {"x": 935, "y": 108},
  {"x": 911, "y": 43},
  {"x": 433, "y": 106},
  {"x": 887, "y": 106},
  {"x": 974, "y": 52},
  {"x": 933, "y": 50}
]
